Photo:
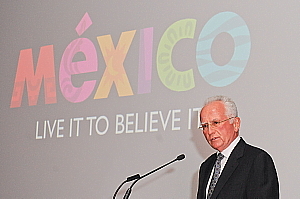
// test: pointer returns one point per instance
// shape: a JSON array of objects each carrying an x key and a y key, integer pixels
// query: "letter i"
[
  {"x": 71, "y": 127},
  {"x": 146, "y": 121},
  {"x": 45, "y": 124},
  {"x": 145, "y": 61},
  {"x": 190, "y": 118}
]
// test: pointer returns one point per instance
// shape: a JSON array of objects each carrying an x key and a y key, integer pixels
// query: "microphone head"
[
  {"x": 180, "y": 157},
  {"x": 134, "y": 177}
]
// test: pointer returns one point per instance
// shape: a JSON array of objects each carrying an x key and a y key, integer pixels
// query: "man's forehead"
[
  {"x": 213, "y": 109},
  {"x": 216, "y": 106}
]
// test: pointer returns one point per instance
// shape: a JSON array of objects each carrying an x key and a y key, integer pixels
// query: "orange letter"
[
  {"x": 25, "y": 72},
  {"x": 114, "y": 59}
]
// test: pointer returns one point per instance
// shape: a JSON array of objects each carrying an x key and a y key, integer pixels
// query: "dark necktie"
[{"x": 216, "y": 174}]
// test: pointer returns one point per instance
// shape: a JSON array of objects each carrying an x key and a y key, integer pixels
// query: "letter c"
[{"x": 173, "y": 79}]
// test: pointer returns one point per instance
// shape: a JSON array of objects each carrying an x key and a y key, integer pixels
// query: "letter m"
[{"x": 25, "y": 73}]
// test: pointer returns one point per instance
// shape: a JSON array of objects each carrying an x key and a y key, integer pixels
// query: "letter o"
[
  {"x": 107, "y": 125},
  {"x": 233, "y": 24}
]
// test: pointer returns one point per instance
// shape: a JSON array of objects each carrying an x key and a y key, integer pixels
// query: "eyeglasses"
[{"x": 214, "y": 124}]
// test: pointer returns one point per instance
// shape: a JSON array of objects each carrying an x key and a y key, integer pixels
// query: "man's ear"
[{"x": 237, "y": 124}]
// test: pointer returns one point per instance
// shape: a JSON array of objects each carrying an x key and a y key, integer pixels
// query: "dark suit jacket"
[{"x": 248, "y": 173}]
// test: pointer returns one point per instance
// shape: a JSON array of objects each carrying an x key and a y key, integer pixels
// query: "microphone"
[
  {"x": 180, "y": 157},
  {"x": 128, "y": 192},
  {"x": 130, "y": 178}
]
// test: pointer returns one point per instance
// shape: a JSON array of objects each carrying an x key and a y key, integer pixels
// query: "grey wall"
[{"x": 252, "y": 57}]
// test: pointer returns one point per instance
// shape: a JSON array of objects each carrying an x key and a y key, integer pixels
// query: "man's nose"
[{"x": 210, "y": 129}]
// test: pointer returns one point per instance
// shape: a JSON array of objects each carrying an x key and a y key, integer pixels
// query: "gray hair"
[{"x": 230, "y": 107}]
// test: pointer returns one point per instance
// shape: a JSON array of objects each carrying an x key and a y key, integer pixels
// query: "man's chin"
[{"x": 216, "y": 145}]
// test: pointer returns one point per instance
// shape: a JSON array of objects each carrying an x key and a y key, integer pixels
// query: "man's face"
[{"x": 221, "y": 136}]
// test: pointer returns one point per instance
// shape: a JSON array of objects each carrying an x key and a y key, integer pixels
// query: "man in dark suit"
[{"x": 242, "y": 171}]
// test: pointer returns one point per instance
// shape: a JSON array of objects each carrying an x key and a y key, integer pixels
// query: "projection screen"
[{"x": 93, "y": 92}]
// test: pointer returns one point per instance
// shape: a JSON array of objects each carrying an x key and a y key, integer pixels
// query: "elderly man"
[{"x": 237, "y": 170}]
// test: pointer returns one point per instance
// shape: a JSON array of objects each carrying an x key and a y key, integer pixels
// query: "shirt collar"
[{"x": 230, "y": 148}]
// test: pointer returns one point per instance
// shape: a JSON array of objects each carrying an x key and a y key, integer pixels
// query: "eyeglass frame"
[{"x": 215, "y": 123}]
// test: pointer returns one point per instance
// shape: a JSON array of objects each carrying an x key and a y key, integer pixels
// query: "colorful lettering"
[
  {"x": 169, "y": 76},
  {"x": 114, "y": 58},
  {"x": 25, "y": 73}
]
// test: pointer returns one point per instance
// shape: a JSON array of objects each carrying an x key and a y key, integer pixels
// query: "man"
[{"x": 241, "y": 171}]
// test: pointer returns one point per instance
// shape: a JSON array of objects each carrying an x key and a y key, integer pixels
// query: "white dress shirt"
[{"x": 226, "y": 152}]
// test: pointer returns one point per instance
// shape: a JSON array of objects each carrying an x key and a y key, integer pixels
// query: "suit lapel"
[
  {"x": 206, "y": 174},
  {"x": 230, "y": 166}
]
